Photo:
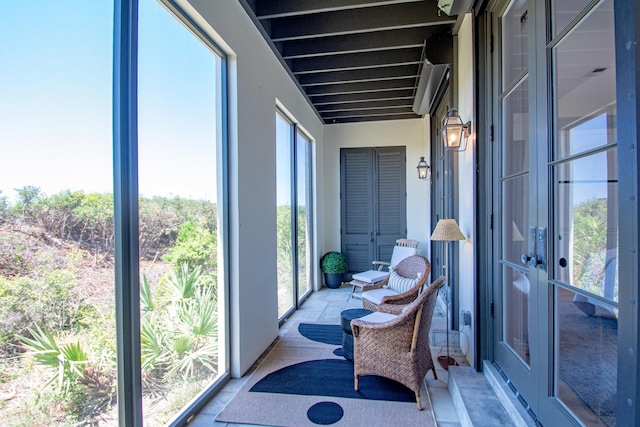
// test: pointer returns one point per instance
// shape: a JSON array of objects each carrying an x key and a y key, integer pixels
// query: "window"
[
  {"x": 179, "y": 131},
  {"x": 57, "y": 314},
  {"x": 294, "y": 223},
  {"x": 63, "y": 321}
]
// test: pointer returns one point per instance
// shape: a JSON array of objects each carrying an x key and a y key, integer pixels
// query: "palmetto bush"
[
  {"x": 179, "y": 329},
  {"x": 68, "y": 361}
]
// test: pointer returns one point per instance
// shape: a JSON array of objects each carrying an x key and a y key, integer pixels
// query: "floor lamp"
[{"x": 447, "y": 230}]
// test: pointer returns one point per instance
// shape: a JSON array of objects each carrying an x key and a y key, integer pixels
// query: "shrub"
[
  {"x": 333, "y": 262},
  {"x": 24, "y": 301},
  {"x": 195, "y": 246}
]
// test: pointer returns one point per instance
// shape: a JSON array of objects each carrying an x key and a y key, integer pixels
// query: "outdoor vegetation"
[
  {"x": 285, "y": 255},
  {"x": 590, "y": 243},
  {"x": 57, "y": 316}
]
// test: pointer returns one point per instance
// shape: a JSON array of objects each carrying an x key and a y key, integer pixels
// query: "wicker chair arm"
[
  {"x": 391, "y": 308},
  {"x": 404, "y": 316},
  {"x": 405, "y": 297}
]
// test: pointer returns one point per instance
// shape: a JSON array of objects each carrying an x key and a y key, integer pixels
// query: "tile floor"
[{"x": 325, "y": 306}]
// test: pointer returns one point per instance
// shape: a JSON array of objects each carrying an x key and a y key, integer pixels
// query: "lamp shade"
[{"x": 447, "y": 230}]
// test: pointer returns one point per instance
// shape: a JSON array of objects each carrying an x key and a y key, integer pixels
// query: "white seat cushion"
[
  {"x": 378, "y": 317},
  {"x": 371, "y": 276},
  {"x": 375, "y": 295}
]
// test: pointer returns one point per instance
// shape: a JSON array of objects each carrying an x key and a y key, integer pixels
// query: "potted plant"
[{"x": 333, "y": 265}]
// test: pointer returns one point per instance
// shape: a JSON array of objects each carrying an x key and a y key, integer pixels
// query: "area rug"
[
  {"x": 588, "y": 358},
  {"x": 305, "y": 381}
]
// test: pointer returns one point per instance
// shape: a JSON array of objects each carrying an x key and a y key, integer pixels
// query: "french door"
[{"x": 556, "y": 208}]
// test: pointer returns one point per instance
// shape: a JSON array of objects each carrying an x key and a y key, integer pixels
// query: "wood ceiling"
[{"x": 356, "y": 60}]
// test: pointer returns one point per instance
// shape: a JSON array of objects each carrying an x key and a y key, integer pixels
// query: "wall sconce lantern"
[
  {"x": 424, "y": 170},
  {"x": 454, "y": 132}
]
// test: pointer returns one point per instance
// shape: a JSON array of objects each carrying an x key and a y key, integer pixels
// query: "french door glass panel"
[
  {"x": 182, "y": 316},
  {"x": 566, "y": 11},
  {"x": 515, "y": 36},
  {"x": 514, "y": 196},
  {"x": 585, "y": 200}
]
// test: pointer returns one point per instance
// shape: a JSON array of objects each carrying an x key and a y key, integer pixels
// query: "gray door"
[{"x": 373, "y": 203}]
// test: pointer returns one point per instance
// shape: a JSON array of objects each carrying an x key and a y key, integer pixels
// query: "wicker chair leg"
[
  {"x": 418, "y": 400},
  {"x": 355, "y": 383},
  {"x": 435, "y": 376}
]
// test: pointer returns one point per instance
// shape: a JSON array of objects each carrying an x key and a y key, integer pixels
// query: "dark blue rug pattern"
[
  {"x": 328, "y": 334},
  {"x": 330, "y": 377}
]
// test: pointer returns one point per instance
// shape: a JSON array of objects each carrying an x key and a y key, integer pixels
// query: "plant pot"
[{"x": 333, "y": 280}]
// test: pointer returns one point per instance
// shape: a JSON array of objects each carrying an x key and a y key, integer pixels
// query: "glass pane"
[
  {"x": 514, "y": 39},
  {"x": 586, "y": 223},
  {"x": 585, "y": 84},
  {"x": 566, "y": 11},
  {"x": 515, "y": 208},
  {"x": 56, "y": 213},
  {"x": 516, "y": 130},
  {"x": 516, "y": 289},
  {"x": 586, "y": 359},
  {"x": 284, "y": 136},
  {"x": 179, "y": 123},
  {"x": 303, "y": 184}
]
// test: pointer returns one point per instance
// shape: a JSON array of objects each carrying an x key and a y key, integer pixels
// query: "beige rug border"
[{"x": 275, "y": 409}]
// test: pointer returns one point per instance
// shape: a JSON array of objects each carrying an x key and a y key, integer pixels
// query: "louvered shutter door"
[
  {"x": 391, "y": 200},
  {"x": 357, "y": 208}
]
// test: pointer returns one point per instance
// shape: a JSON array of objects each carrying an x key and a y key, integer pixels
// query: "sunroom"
[{"x": 174, "y": 170}]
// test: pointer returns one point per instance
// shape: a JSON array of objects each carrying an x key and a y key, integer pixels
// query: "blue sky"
[{"x": 55, "y": 100}]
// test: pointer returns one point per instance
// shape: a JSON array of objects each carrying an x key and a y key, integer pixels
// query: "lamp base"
[{"x": 446, "y": 361}]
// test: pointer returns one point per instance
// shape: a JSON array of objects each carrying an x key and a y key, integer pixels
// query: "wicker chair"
[
  {"x": 397, "y": 347},
  {"x": 392, "y": 302}
]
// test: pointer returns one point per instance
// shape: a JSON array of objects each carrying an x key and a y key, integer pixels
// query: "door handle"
[
  {"x": 537, "y": 237},
  {"x": 541, "y": 262},
  {"x": 530, "y": 258}
]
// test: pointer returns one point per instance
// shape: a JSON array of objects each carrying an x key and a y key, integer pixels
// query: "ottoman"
[{"x": 347, "y": 335}]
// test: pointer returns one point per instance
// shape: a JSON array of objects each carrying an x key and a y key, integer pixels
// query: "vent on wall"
[
  {"x": 430, "y": 79},
  {"x": 437, "y": 57}
]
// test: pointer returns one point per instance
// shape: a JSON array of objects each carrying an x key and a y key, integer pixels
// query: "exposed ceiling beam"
[
  {"x": 369, "y": 119},
  {"x": 352, "y": 76},
  {"x": 405, "y": 83},
  {"x": 366, "y": 105},
  {"x": 284, "y": 8},
  {"x": 355, "y": 97},
  {"x": 366, "y": 112},
  {"x": 351, "y": 43},
  {"x": 408, "y": 15},
  {"x": 352, "y": 61}
]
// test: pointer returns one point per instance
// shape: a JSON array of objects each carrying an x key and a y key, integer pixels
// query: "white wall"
[
  {"x": 257, "y": 80},
  {"x": 414, "y": 134},
  {"x": 466, "y": 183}
]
